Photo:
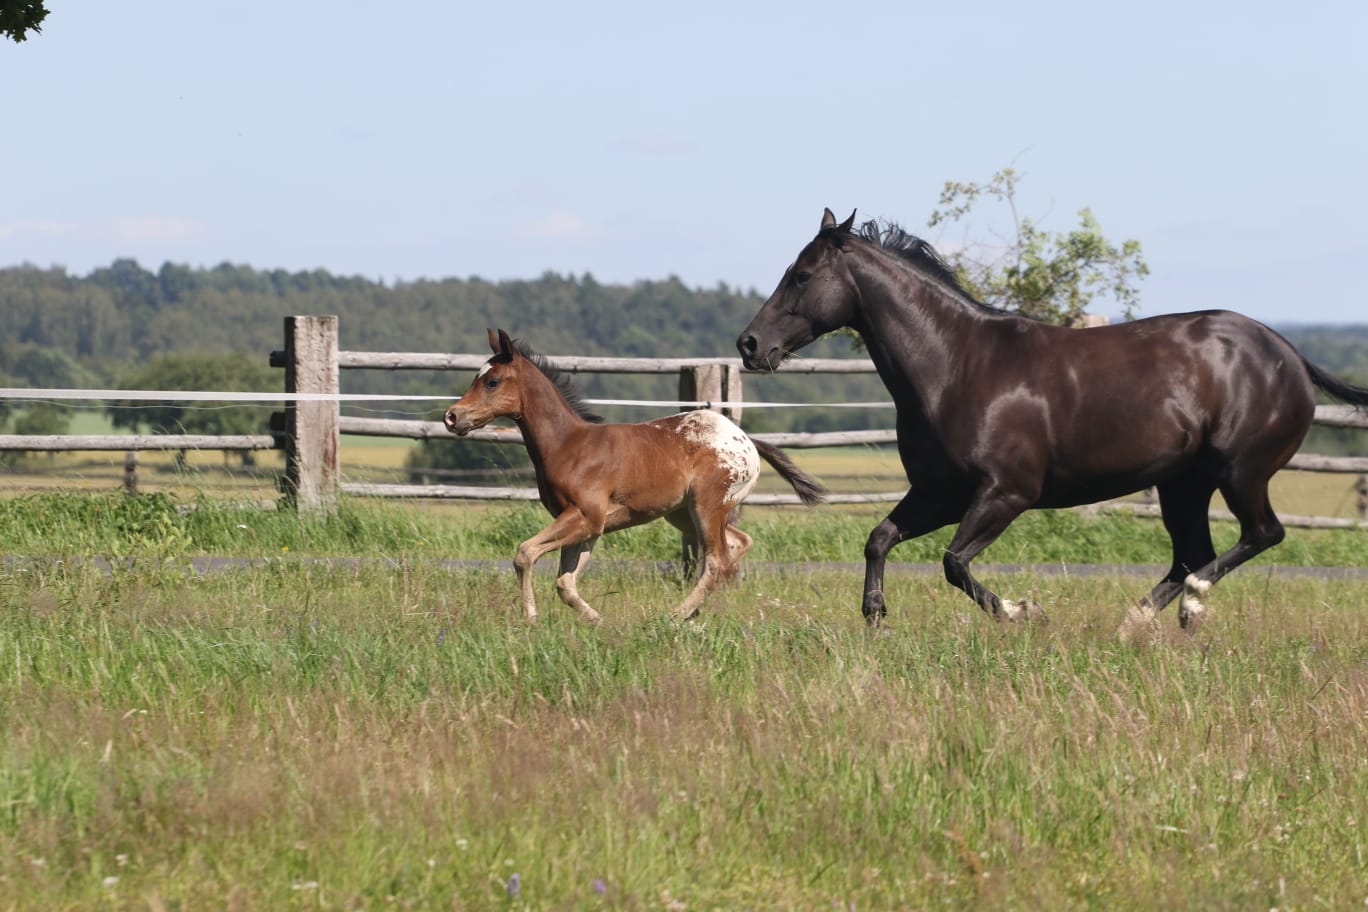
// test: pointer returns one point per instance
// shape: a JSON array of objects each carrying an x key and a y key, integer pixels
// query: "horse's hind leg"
[
  {"x": 1260, "y": 530},
  {"x": 1183, "y": 503},
  {"x": 573, "y": 559}
]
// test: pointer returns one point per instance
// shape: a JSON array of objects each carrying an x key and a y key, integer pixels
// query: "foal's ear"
[
  {"x": 493, "y": 339},
  {"x": 848, "y": 223},
  {"x": 505, "y": 344}
]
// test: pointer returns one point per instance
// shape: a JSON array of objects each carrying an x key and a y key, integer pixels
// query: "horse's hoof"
[
  {"x": 1027, "y": 611},
  {"x": 1140, "y": 627},
  {"x": 1191, "y": 610}
]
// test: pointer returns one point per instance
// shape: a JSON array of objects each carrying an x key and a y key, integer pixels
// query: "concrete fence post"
[{"x": 312, "y": 470}]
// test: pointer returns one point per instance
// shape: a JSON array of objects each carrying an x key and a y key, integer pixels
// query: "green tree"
[
  {"x": 19, "y": 17},
  {"x": 1051, "y": 276}
]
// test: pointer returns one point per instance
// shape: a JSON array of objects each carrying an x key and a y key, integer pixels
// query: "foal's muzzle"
[{"x": 457, "y": 422}]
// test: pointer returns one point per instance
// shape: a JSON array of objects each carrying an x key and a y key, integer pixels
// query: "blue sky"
[{"x": 700, "y": 140}]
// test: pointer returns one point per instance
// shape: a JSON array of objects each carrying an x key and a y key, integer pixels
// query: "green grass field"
[{"x": 288, "y": 737}]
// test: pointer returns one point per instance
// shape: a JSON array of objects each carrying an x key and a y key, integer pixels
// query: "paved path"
[{"x": 207, "y": 565}]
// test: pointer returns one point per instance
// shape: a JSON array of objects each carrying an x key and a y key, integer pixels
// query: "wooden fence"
[{"x": 311, "y": 427}]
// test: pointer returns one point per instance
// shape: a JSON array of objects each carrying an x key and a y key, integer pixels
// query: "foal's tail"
[
  {"x": 1356, "y": 396},
  {"x": 808, "y": 489}
]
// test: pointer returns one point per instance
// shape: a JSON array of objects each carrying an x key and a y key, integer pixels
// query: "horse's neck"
[{"x": 917, "y": 331}]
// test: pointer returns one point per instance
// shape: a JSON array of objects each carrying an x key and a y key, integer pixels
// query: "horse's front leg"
[
  {"x": 918, "y": 513},
  {"x": 992, "y": 511},
  {"x": 571, "y": 527}
]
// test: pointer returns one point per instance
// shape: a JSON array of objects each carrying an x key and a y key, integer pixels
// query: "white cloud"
[
  {"x": 557, "y": 226},
  {"x": 158, "y": 228}
]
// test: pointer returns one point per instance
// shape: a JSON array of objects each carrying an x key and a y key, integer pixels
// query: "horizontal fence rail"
[{"x": 311, "y": 424}]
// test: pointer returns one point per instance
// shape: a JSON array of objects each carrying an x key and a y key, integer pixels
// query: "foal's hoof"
[{"x": 1191, "y": 610}]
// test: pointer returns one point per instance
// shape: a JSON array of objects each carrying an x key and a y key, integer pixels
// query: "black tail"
[
  {"x": 1356, "y": 396},
  {"x": 808, "y": 489}
]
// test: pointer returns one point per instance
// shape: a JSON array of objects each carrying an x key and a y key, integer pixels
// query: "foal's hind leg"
[
  {"x": 711, "y": 524},
  {"x": 573, "y": 559},
  {"x": 738, "y": 544}
]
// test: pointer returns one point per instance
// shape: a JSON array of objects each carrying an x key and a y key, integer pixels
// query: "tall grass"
[
  {"x": 289, "y": 736},
  {"x": 286, "y": 737}
]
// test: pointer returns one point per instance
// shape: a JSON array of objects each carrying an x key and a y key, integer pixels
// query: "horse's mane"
[
  {"x": 905, "y": 245},
  {"x": 560, "y": 380}
]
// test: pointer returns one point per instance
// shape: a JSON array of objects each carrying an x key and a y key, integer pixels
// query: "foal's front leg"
[
  {"x": 573, "y": 559},
  {"x": 571, "y": 527}
]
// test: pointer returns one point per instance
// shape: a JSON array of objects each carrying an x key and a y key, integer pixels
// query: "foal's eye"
[
  {"x": 493, "y": 383},
  {"x": 801, "y": 277}
]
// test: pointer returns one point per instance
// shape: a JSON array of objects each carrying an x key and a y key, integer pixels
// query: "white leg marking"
[{"x": 1191, "y": 608}]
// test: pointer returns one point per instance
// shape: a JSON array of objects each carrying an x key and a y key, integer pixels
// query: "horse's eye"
[
  {"x": 801, "y": 277},
  {"x": 493, "y": 383}
]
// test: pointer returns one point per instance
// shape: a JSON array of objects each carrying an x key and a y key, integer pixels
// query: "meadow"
[{"x": 392, "y": 734}]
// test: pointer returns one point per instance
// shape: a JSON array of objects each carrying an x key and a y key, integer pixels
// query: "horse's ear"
[
  {"x": 493, "y": 340},
  {"x": 828, "y": 219},
  {"x": 505, "y": 344},
  {"x": 847, "y": 224}
]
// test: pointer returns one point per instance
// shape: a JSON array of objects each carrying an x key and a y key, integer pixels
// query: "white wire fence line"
[{"x": 109, "y": 395}]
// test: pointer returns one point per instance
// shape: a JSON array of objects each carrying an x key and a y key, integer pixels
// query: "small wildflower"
[
  {"x": 121, "y": 860},
  {"x": 110, "y": 882},
  {"x": 600, "y": 887},
  {"x": 284, "y": 547},
  {"x": 514, "y": 885},
  {"x": 462, "y": 843}
]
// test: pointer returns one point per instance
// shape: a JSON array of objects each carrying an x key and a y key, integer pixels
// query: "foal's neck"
[{"x": 546, "y": 415}]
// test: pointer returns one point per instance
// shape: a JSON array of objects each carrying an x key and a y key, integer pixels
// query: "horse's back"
[{"x": 1100, "y": 411}]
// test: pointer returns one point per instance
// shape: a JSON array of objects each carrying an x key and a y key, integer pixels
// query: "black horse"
[{"x": 998, "y": 413}]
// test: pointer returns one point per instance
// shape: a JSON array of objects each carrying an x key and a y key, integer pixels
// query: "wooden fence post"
[
  {"x": 312, "y": 470},
  {"x": 130, "y": 479},
  {"x": 1361, "y": 489},
  {"x": 720, "y": 385}
]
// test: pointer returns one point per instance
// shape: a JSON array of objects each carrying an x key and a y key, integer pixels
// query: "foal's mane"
[{"x": 559, "y": 379}]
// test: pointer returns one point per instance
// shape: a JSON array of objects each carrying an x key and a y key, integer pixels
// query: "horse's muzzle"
[{"x": 751, "y": 357}]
